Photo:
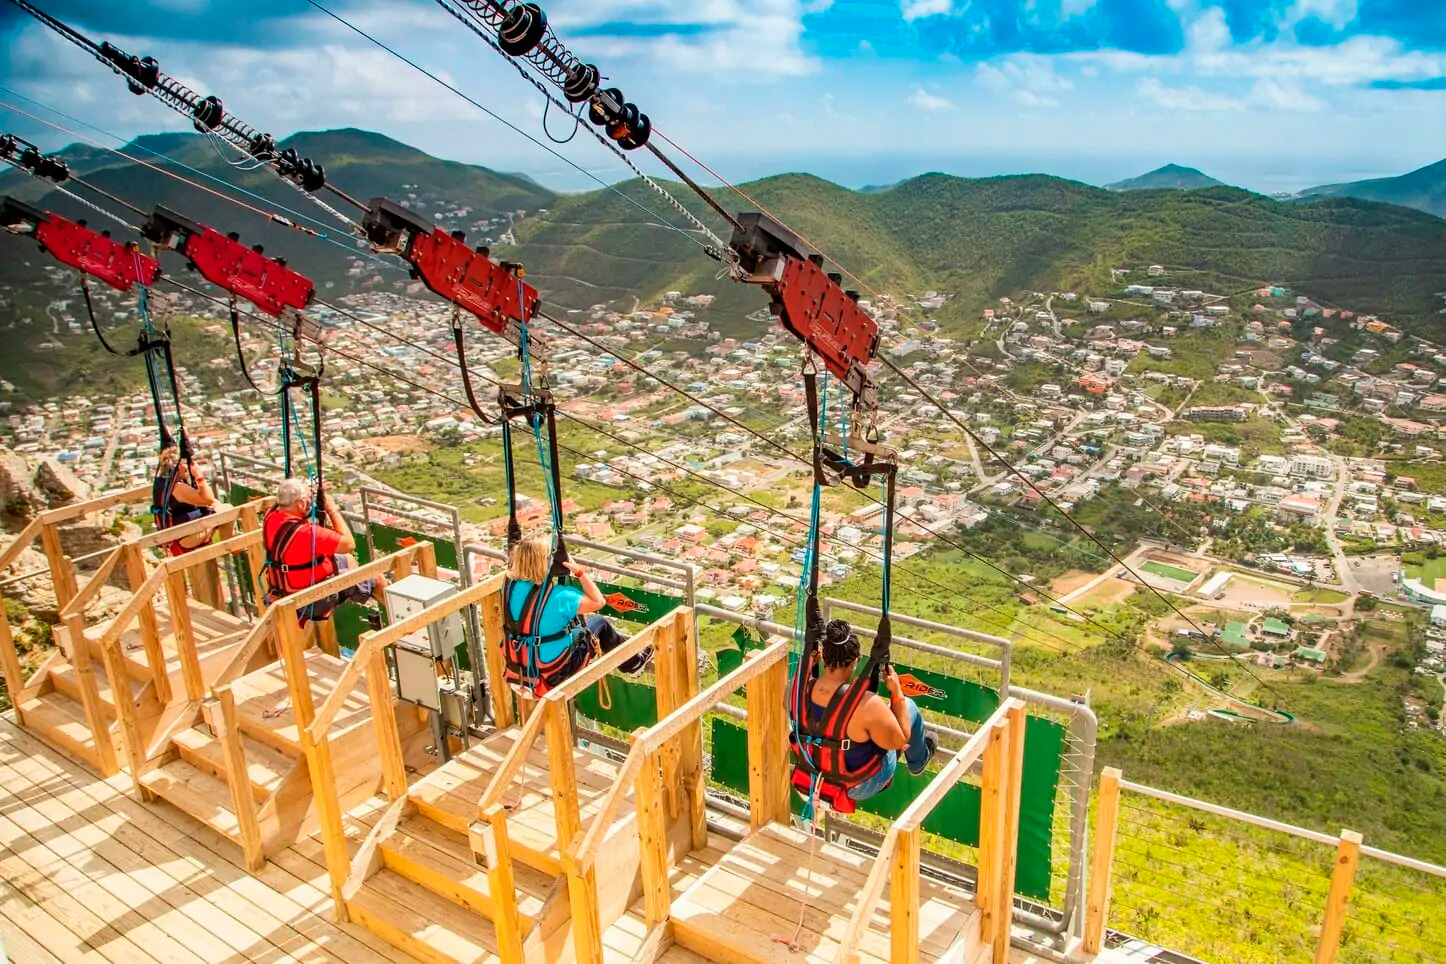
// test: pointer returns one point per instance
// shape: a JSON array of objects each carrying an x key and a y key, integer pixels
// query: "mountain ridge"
[
  {"x": 1423, "y": 189},
  {"x": 1171, "y": 177}
]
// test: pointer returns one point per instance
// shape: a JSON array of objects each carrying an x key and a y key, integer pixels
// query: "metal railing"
[{"x": 1222, "y": 885}]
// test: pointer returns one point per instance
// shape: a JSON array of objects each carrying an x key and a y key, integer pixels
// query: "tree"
[
  {"x": 1180, "y": 649},
  {"x": 1220, "y": 679}
]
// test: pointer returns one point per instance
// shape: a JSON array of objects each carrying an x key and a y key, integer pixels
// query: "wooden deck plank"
[
  {"x": 29, "y": 934},
  {"x": 245, "y": 929},
  {"x": 290, "y": 909}
]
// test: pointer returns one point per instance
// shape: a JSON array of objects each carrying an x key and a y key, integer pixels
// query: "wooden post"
[
  {"x": 1097, "y": 906},
  {"x": 768, "y": 763},
  {"x": 992, "y": 813},
  {"x": 582, "y": 898},
  {"x": 62, "y": 573},
  {"x": 496, "y": 667},
  {"x": 136, "y": 575},
  {"x": 10, "y": 662},
  {"x": 384, "y": 718},
  {"x": 125, "y": 710},
  {"x": 693, "y": 784},
  {"x": 318, "y": 756},
  {"x": 238, "y": 778},
  {"x": 904, "y": 899},
  {"x": 497, "y": 851},
  {"x": 1348, "y": 855},
  {"x": 80, "y": 658},
  {"x": 669, "y": 697},
  {"x": 255, "y": 556},
  {"x": 653, "y": 839},
  {"x": 427, "y": 560},
  {"x": 560, "y": 762},
  {"x": 1009, "y": 858},
  {"x": 183, "y": 632}
]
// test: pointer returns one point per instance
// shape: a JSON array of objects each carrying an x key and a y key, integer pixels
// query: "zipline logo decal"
[
  {"x": 621, "y": 603},
  {"x": 913, "y": 686},
  {"x": 406, "y": 542}
]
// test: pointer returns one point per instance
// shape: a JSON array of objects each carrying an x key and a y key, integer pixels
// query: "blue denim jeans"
[{"x": 916, "y": 757}]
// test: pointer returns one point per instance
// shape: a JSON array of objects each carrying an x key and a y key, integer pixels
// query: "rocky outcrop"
[
  {"x": 17, "y": 493},
  {"x": 59, "y": 485}
]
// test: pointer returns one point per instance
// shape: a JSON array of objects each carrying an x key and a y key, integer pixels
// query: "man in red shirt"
[{"x": 302, "y": 553}]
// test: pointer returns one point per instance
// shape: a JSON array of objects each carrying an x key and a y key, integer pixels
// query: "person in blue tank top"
[
  {"x": 879, "y": 727},
  {"x": 570, "y": 622}
]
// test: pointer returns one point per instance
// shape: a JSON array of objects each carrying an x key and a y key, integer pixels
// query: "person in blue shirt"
[{"x": 569, "y": 628}]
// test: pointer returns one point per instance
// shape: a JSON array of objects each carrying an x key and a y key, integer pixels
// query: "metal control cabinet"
[{"x": 417, "y": 654}]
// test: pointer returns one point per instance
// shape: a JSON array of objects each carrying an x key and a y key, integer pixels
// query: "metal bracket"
[
  {"x": 227, "y": 263},
  {"x": 119, "y": 264}
]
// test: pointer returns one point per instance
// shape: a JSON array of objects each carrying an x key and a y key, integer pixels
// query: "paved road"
[{"x": 103, "y": 474}]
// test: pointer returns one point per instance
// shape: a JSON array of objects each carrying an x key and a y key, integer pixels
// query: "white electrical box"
[{"x": 411, "y": 595}]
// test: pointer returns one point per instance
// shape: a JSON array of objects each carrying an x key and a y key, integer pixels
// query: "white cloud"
[
  {"x": 1275, "y": 95},
  {"x": 1337, "y": 13},
  {"x": 924, "y": 100},
  {"x": 914, "y": 9},
  {"x": 1030, "y": 78},
  {"x": 1184, "y": 98}
]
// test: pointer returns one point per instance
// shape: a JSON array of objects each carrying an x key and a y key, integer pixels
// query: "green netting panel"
[
  {"x": 240, "y": 494},
  {"x": 241, "y": 572},
  {"x": 634, "y": 704},
  {"x": 633, "y": 605},
  {"x": 388, "y": 539},
  {"x": 957, "y": 817}
]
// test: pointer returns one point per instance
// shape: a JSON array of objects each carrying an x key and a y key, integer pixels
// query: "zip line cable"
[{"x": 503, "y": 121}]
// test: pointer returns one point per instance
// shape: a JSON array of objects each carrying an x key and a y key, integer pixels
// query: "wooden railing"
[
  {"x": 146, "y": 584},
  {"x": 46, "y": 527},
  {"x": 1000, "y": 741},
  {"x": 764, "y": 674},
  {"x": 281, "y": 620}
]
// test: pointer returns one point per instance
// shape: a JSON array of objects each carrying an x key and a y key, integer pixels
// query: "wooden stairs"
[
  {"x": 431, "y": 895},
  {"x": 735, "y": 911},
  {"x": 52, "y": 706},
  {"x": 190, "y": 770}
]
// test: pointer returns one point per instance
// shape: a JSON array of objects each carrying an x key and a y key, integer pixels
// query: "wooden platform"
[
  {"x": 88, "y": 874},
  {"x": 756, "y": 891}
]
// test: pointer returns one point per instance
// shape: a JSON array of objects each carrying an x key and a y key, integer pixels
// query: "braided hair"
[{"x": 840, "y": 646}]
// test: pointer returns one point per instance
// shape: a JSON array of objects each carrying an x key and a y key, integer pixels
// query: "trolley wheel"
[
  {"x": 599, "y": 114},
  {"x": 582, "y": 83},
  {"x": 638, "y": 135},
  {"x": 622, "y": 125},
  {"x": 209, "y": 113},
  {"x": 522, "y": 30}
]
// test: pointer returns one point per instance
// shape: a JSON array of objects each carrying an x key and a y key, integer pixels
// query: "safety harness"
[
  {"x": 820, "y": 747},
  {"x": 532, "y": 401}
]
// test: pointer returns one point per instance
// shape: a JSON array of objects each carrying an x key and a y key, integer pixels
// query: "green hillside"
[
  {"x": 1170, "y": 177},
  {"x": 985, "y": 238},
  {"x": 1423, "y": 189}
]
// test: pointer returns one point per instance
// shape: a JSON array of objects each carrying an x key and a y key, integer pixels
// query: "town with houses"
[{"x": 1283, "y": 442}]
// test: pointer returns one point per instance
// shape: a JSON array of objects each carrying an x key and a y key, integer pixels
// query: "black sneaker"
[
  {"x": 932, "y": 743},
  {"x": 638, "y": 663}
]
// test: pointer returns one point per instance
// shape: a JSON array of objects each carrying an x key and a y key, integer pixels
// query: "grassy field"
[
  {"x": 1320, "y": 596},
  {"x": 1170, "y": 572},
  {"x": 1426, "y": 570}
]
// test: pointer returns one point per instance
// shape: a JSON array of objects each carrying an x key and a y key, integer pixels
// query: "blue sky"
[{"x": 1269, "y": 94}]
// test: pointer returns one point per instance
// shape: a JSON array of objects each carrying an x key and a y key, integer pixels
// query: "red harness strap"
[{"x": 521, "y": 645}]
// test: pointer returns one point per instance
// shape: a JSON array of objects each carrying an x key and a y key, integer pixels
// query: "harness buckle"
[{"x": 845, "y": 744}]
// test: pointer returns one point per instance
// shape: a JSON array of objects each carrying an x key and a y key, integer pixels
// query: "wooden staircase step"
[
  {"x": 196, "y": 792},
  {"x": 60, "y": 721},
  {"x": 265, "y": 766},
  {"x": 756, "y": 890},
  {"x": 449, "y": 796},
  {"x": 66, "y": 681},
  {"x": 420, "y": 923},
  {"x": 263, "y": 701},
  {"x": 441, "y": 860}
]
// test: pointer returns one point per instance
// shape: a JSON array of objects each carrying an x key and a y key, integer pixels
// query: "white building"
[{"x": 1312, "y": 467}]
